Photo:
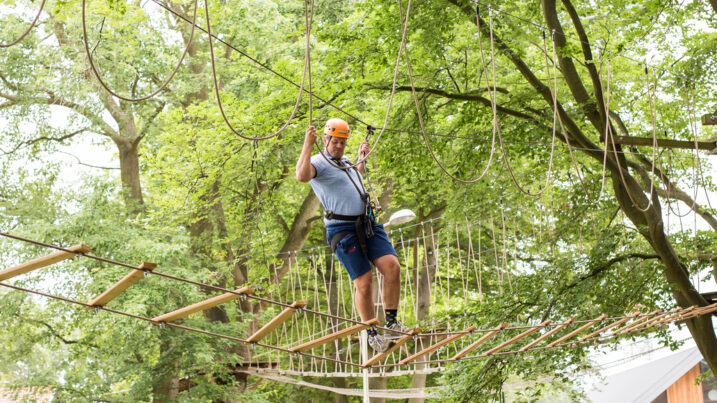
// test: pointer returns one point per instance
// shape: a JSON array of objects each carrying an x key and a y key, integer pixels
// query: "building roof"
[{"x": 646, "y": 382}]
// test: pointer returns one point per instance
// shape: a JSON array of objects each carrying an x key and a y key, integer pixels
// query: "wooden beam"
[
  {"x": 480, "y": 341},
  {"x": 42, "y": 262},
  {"x": 635, "y": 323},
  {"x": 437, "y": 345},
  {"x": 610, "y": 326},
  {"x": 548, "y": 334},
  {"x": 516, "y": 338},
  {"x": 276, "y": 321},
  {"x": 334, "y": 336},
  {"x": 123, "y": 284},
  {"x": 200, "y": 306},
  {"x": 578, "y": 330},
  {"x": 665, "y": 143},
  {"x": 401, "y": 341}
]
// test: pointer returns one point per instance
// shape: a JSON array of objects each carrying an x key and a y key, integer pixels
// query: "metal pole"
[{"x": 364, "y": 358}]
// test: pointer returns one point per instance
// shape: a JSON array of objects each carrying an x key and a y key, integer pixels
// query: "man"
[{"x": 355, "y": 237}]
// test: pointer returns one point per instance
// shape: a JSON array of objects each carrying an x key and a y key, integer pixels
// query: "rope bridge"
[{"x": 298, "y": 340}]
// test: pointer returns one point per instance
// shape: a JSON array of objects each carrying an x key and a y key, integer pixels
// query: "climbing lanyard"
[{"x": 364, "y": 222}]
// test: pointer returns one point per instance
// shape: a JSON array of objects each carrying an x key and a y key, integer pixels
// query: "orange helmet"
[{"x": 337, "y": 128}]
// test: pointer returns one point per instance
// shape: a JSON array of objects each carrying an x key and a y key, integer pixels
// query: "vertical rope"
[
  {"x": 437, "y": 256},
  {"x": 506, "y": 269},
  {"x": 480, "y": 267},
  {"x": 495, "y": 254}
]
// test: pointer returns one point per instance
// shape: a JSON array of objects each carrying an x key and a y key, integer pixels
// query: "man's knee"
[
  {"x": 388, "y": 265},
  {"x": 363, "y": 283}
]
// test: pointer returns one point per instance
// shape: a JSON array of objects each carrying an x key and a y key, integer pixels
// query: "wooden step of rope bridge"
[
  {"x": 203, "y": 305},
  {"x": 123, "y": 284},
  {"x": 335, "y": 336},
  {"x": 632, "y": 323},
  {"x": 277, "y": 321},
  {"x": 44, "y": 261}
]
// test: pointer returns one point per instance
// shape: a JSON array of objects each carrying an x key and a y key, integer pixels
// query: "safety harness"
[{"x": 363, "y": 222}]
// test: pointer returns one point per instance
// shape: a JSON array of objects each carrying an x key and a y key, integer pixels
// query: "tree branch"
[
  {"x": 470, "y": 96},
  {"x": 671, "y": 191},
  {"x": 45, "y": 138}
]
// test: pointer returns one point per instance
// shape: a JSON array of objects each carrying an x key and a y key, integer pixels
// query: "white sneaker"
[
  {"x": 396, "y": 329},
  {"x": 379, "y": 343}
]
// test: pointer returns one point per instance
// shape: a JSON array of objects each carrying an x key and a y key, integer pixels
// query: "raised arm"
[
  {"x": 363, "y": 150},
  {"x": 304, "y": 170}
]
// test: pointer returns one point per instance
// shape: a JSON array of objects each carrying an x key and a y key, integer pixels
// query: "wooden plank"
[
  {"x": 436, "y": 346},
  {"x": 398, "y": 343},
  {"x": 276, "y": 321},
  {"x": 678, "y": 315},
  {"x": 578, "y": 330},
  {"x": 480, "y": 341},
  {"x": 42, "y": 262},
  {"x": 516, "y": 338},
  {"x": 200, "y": 306},
  {"x": 657, "y": 318},
  {"x": 634, "y": 323},
  {"x": 117, "y": 289},
  {"x": 698, "y": 312},
  {"x": 548, "y": 334},
  {"x": 610, "y": 326},
  {"x": 334, "y": 336},
  {"x": 665, "y": 143},
  {"x": 673, "y": 317}
]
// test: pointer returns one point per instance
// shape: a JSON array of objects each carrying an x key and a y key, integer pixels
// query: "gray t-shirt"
[{"x": 334, "y": 189}]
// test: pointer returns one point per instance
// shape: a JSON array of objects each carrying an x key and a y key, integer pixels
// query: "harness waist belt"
[{"x": 333, "y": 216}]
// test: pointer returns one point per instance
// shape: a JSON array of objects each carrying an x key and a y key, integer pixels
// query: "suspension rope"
[
  {"x": 363, "y": 158},
  {"x": 27, "y": 31},
  {"x": 307, "y": 68},
  {"x": 420, "y": 116},
  {"x": 97, "y": 75}
]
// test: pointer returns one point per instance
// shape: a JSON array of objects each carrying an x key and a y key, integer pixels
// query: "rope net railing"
[{"x": 309, "y": 324}]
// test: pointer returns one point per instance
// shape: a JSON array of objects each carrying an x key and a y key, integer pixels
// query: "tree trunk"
[
  {"x": 298, "y": 233},
  {"x": 165, "y": 386},
  {"x": 129, "y": 175},
  {"x": 426, "y": 270},
  {"x": 378, "y": 383}
]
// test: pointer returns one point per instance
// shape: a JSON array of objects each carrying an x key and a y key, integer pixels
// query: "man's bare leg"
[
  {"x": 364, "y": 296},
  {"x": 389, "y": 267}
]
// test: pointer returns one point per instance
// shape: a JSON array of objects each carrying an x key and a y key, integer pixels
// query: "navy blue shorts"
[{"x": 349, "y": 251}]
